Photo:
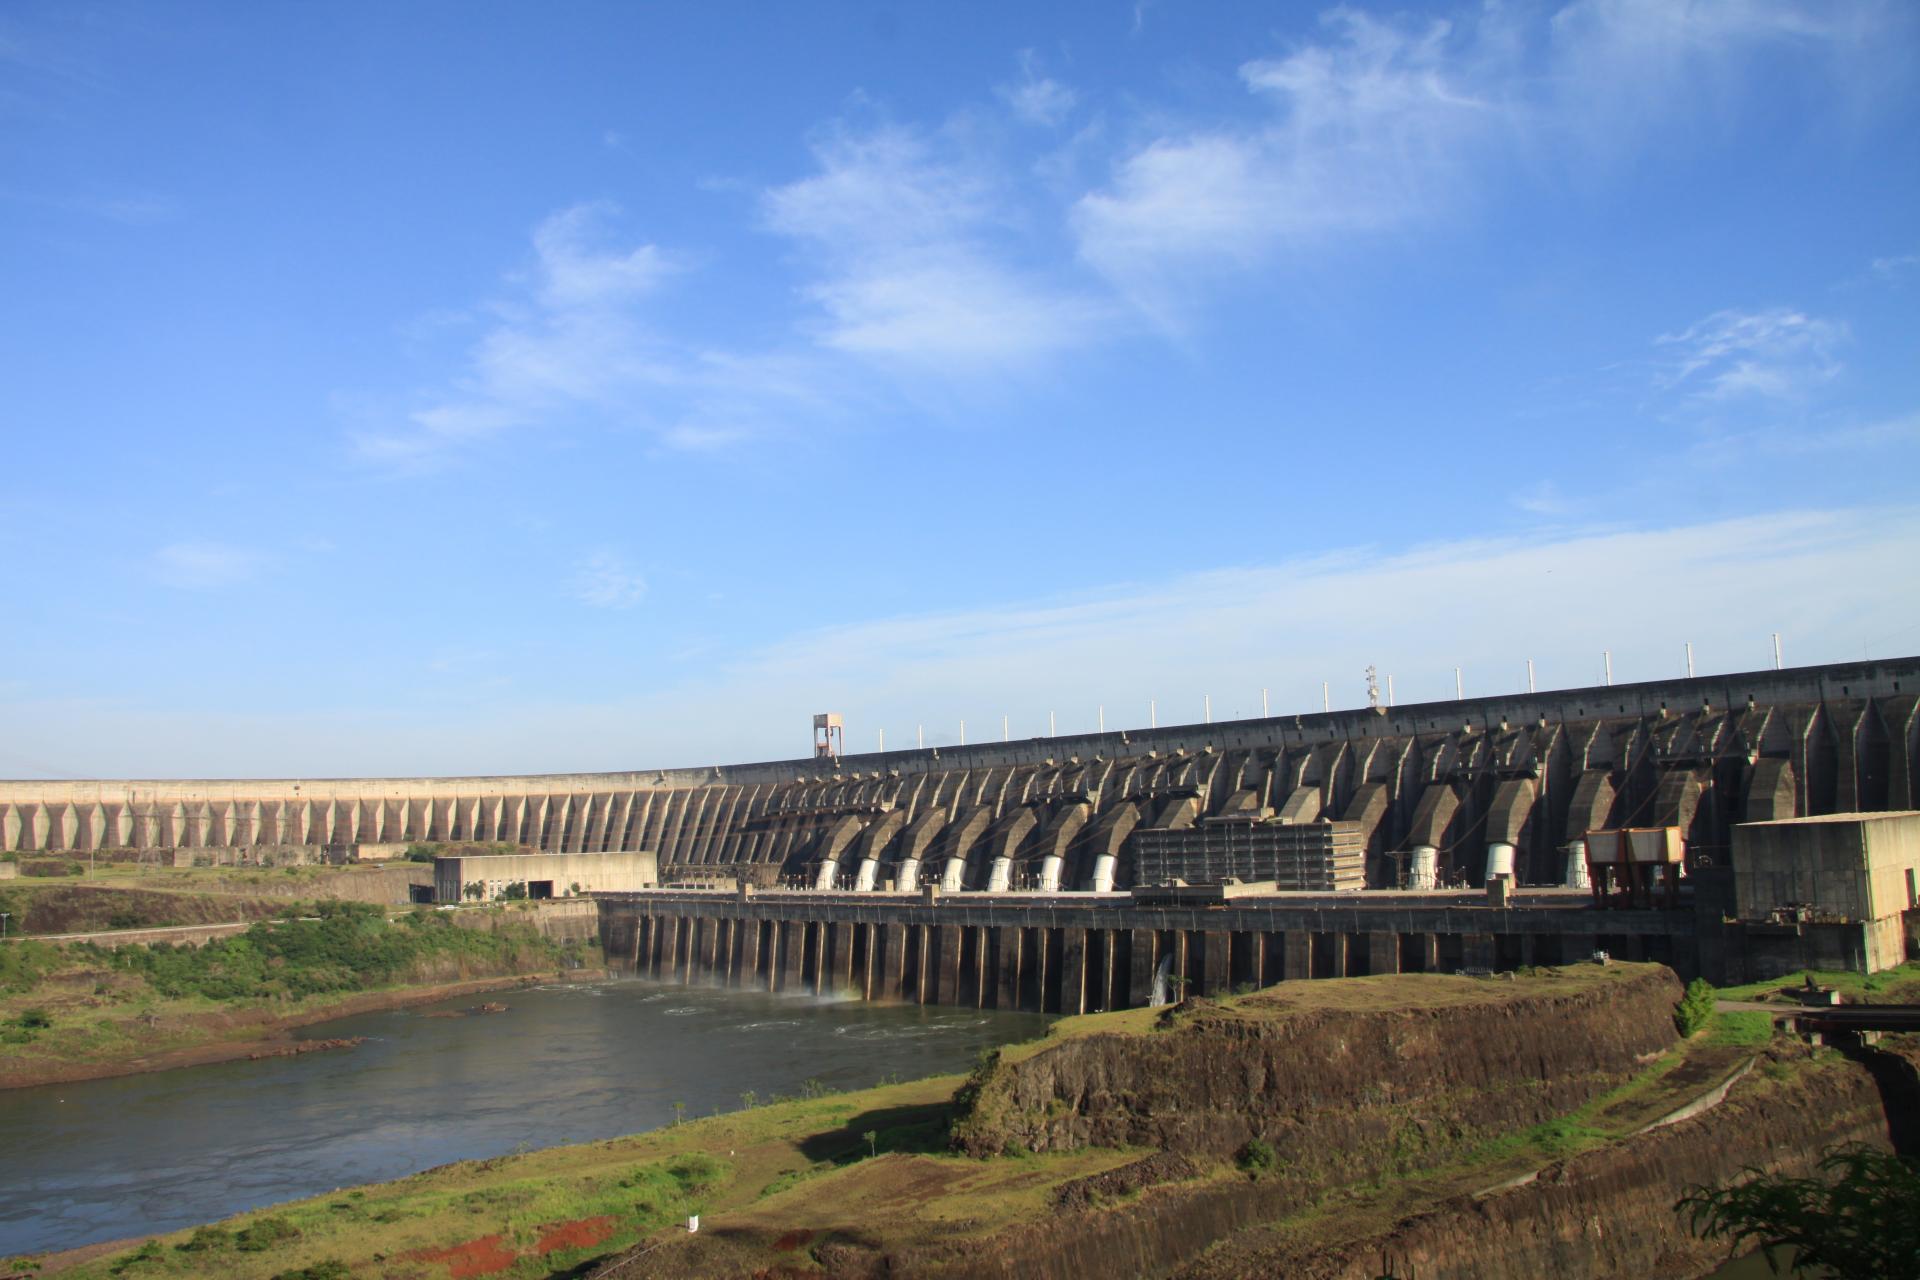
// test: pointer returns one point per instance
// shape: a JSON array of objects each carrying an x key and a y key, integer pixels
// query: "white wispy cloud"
[
  {"x": 1777, "y": 353},
  {"x": 573, "y": 337},
  {"x": 1034, "y": 98},
  {"x": 198, "y": 566},
  {"x": 1362, "y": 131},
  {"x": 1388, "y": 122},
  {"x": 1897, "y": 266},
  {"x": 1618, "y": 67},
  {"x": 605, "y": 581},
  {"x": 1541, "y": 499},
  {"x": 1228, "y": 631},
  {"x": 900, "y": 244},
  {"x": 1880, "y": 438}
]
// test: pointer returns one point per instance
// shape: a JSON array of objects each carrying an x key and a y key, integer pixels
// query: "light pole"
[{"x": 3, "y": 925}]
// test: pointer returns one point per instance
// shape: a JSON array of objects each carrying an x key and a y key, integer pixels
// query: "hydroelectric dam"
[{"x": 1095, "y": 871}]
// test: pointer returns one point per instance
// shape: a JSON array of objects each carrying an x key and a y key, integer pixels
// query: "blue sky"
[{"x": 487, "y": 388}]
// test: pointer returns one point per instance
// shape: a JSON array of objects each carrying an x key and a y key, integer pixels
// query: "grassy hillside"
[{"x": 77, "y": 1005}]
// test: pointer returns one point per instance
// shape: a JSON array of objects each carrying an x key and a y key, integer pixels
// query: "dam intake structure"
[{"x": 1383, "y": 814}]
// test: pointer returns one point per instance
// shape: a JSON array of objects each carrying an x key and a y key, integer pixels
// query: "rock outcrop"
[{"x": 1405, "y": 1072}]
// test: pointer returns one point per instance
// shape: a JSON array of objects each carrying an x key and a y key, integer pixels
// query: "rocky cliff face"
[
  {"x": 1337, "y": 1092},
  {"x": 1606, "y": 1212}
]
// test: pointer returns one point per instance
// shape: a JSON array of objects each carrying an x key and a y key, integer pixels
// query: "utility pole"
[
  {"x": 1459, "y": 689},
  {"x": 1689, "y": 659},
  {"x": 920, "y": 736},
  {"x": 1326, "y": 697},
  {"x": 1206, "y": 707},
  {"x": 1103, "y": 717},
  {"x": 1530, "y": 688},
  {"x": 1606, "y": 656},
  {"x": 1153, "y": 714},
  {"x": 1006, "y": 728},
  {"x": 1049, "y": 724},
  {"x": 883, "y": 742},
  {"x": 1389, "y": 690},
  {"x": 1264, "y": 713},
  {"x": 3, "y": 925},
  {"x": 963, "y": 733},
  {"x": 1776, "y": 651}
]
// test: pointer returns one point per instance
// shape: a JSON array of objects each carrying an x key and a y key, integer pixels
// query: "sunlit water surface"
[{"x": 144, "y": 1154}]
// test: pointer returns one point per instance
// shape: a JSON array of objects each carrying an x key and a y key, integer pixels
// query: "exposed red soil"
[
  {"x": 581, "y": 1233},
  {"x": 792, "y": 1240},
  {"x": 482, "y": 1257}
]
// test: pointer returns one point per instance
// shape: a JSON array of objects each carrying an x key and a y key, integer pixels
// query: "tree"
[
  {"x": 1858, "y": 1216},
  {"x": 1695, "y": 1008}
]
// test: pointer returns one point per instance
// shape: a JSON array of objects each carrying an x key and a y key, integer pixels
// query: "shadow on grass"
[{"x": 919, "y": 1128}]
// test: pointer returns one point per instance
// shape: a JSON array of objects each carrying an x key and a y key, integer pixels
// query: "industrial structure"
[{"x": 1392, "y": 818}]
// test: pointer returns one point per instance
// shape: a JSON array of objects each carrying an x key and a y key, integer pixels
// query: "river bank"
[
  {"x": 248, "y": 1034},
  {"x": 1460, "y": 1127},
  {"x": 79, "y": 1011},
  {"x": 576, "y": 1062}
]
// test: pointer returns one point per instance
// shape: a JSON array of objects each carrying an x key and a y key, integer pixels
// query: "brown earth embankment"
[
  {"x": 1335, "y": 1090},
  {"x": 1608, "y": 1211},
  {"x": 80, "y": 908}
]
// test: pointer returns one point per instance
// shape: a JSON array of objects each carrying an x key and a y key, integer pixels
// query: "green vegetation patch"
[
  {"x": 343, "y": 947},
  {"x": 1695, "y": 1008},
  {"x": 1749, "y": 1028},
  {"x": 1899, "y": 985}
]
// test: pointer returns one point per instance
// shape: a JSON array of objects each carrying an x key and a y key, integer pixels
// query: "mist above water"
[{"x": 137, "y": 1155}]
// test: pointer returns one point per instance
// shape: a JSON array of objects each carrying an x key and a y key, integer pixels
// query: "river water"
[{"x": 106, "y": 1159}]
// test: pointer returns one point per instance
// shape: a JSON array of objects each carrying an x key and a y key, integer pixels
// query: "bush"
[
  {"x": 35, "y": 1019},
  {"x": 1695, "y": 1009},
  {"x": 1858, "y": 1217},
  {"x": 329, "y": 1269},
  {"x": 422, "y": 852},
  {"x": 348, "y": 946},
  {"x": 206, "y": 1239},
  {"x": 1257, "y": 1156},
  {"x": 148, "y": 1252},
  {"x": 264, "y": 1233}
]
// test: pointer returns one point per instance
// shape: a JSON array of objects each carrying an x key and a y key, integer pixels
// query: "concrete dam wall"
[{"x": 1513, "y": 780}]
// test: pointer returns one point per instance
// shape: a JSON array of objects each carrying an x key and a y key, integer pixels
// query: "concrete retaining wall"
[{"x": 1092, "y": 952}]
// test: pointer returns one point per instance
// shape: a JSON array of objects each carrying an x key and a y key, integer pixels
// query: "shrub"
[
  {"x": 148, "y": 1252},
  {"x": 264, "y": 1233},
  {"x": 1858, "y": 1216},
  {"x": 35, "y": 1019},
  {"x": 1257, "y": 1156},
  {"x": 329, "y": 1269},
  {"x": 206, "y": 1239},
  {"x": 1695, "y": 1008}
]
